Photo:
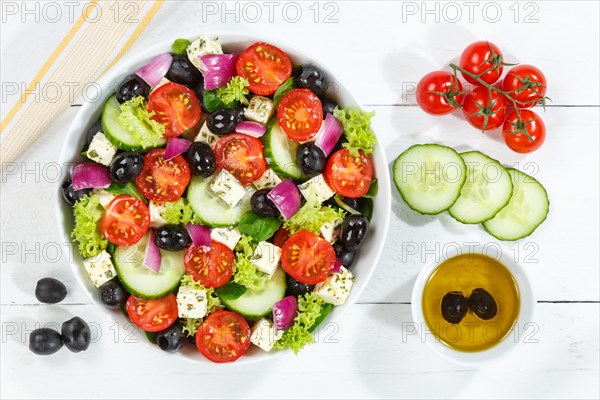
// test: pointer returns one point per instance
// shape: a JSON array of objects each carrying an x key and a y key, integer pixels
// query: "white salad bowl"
[
  {"x": 90, "y": 111},
  {"x": 522, "y": 330}
]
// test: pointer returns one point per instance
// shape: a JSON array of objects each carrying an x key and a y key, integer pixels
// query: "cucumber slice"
[
  {"x": 253, "y": 305},
  {"x": 210, "y": 208},
  {"x": 429, "y": 177},
  {"x": 115, "y": 132},
  {"x": 486, "y": 191},
  {"x": 280, "y": 153},
  {"x": 140, "y": 280},
  {"x": 526, "y": 210}
]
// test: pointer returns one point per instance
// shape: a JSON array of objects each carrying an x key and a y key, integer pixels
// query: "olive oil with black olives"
[{"x": 480, "y": 327}]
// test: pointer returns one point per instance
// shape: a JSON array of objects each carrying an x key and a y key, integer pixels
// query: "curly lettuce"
[
  {"x": 87, "y": 213},
  {"x": 136, "y": 119},
  {"x": 310, "y": 307},
  {"x": 246, "y": 273},
  {"x": 179, "y": 212},
  {"x": 312, "y": 216},
  {"x": 235, "y": 91},
  {"x": 357, "y": 129},
  {"x": 190, "y": 325}
]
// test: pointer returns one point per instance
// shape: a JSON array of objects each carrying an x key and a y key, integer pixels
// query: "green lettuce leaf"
[
  {"x": 310, "y": 307},
  {"x": 357, "y": 129},
  {"x": 246, "y": 273},
  {"x": 235, "y": 91},
  {"x": 87, "y": 213},
  {"x": 138, "y": 121},
  {"x": 312, "y": 216},
  {"x": 179, "y": 212}
]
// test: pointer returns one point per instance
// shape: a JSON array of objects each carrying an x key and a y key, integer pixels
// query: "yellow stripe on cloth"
[{"x": 86, "y": 52}]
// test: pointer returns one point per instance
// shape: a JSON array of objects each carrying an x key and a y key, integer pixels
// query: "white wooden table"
[{"x": 381, "y": 50}]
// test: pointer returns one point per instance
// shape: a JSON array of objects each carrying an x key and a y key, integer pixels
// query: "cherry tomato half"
[
  {"x": 152, "y": 315},
  {"x": 307, "y": 257},
  {"x": 348, "y": 175},
  {"x": 162, "y": 180},
  {"x": 300, "y": 114},
  {"x": 481, "y": 102},
  {"x": 429, "y": 88},
  {"x": 516, "y": 139},
  {"x": 176, "y": 107},
  {"x": 211, "y": 266},
  {"x": 125, "y": 221},
  {"x": 483, "y": 58},
  {"x": 242, "y": 156},
  {"x": 525, "y": 84},
  {"x": 265, "y": 67},
  {"x": 223, "y": 337}
]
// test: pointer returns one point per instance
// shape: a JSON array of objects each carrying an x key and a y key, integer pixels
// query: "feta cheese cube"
[
  {"x": 318, "y": 187},
  {"x": 331, "y": 230},
  {"x": 264, "y": 334},
  {"x": 100, "y": 268},
  {"x": 101, "y": 150},
  {"x": 267, "y": 180},
  {"x": 336, "y": 288},
  {"x": 156, "y": 209},
  {"x": 228, "y": 188},
  {"x": 260, "y": 109},
  {"x": 228, "y": 236},
  {"x": 266, "y": 258},
  {"x": 191, "y": 302},
  {"x": 104, "y": 197},
  {"x": 206, "y": 136},
  {"x": 202, "y": 46}
]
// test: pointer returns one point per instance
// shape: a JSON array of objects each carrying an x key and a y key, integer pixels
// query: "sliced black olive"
[
  {"x": 483, "y": 304},
  {"x": 45, "y": 341},
  {"x": 76, "y": 334},
  {"x": 50, "y": 291},
  {"x": 454, "y": 307}
]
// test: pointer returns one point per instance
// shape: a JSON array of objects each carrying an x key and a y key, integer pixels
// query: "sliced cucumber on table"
[
  {"x": 486, "y": 191},
  {"x": 429, "y": 177},
  {"x": 140, "y": 280},
  {"x": 210, "y": 208},
  {"x": 253, "y": 305},
  {"x": 280, "y": 153},
  {"x": 526, "y": 210}
]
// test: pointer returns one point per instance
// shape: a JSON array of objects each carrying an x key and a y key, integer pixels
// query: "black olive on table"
[
  {"x": 45, "y": 341},
  {"x": 132, "y": 86},
  {"x": 172, "y": 237},
  {"x": 76, "y": 334},
  {"x": 171, "y": 339},
  {"x": 223, "y": 121},
  {"x": 201, "y": 159},
  {"x": 126, "y": 166},
  {"x": 345, "y": 256},
  {"x": 311, "y": 158},
  {"x": 113, "y": 295},
  {"x": 50, "y": 291},
  {"x": 297, "y": 288},
  {"x": 182, "y": 71},
  {"x": 354, "y": 231},
  {"x": 483, "y": 304},
  {"x": 454, "y": 307},
  {"x": 262, "y": 205},
  {"x": 71, "y": 196},
  {"x": 311, "y": 77}
]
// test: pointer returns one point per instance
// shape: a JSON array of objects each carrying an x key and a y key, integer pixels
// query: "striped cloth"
[{"x": 73, "y": 65}]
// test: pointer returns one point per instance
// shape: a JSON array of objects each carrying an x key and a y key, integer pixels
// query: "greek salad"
[{"x": 223, "y": 199}]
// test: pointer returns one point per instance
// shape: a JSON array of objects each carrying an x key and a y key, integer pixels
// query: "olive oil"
[{"x": 465, "y": 273}]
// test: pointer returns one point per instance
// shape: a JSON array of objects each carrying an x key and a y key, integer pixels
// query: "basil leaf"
[
  {"x": 257, "y": 227},
  {"x": 283, "y": 90},
  {"x": 213, "y": 103},
  {"x": 325, "y": 310},
  {"x": 366, "y": 208},
  {"x": 230, "y": 291},
  {"x": 373, "y": 189},
  {"x": 125, "y": 188}
]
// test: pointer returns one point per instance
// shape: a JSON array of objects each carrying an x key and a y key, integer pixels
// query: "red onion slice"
[
  {"x": 175, "y": 147},
  {"x": 251, "y": 128},
  {"x": 200, "y": 234},
  {"x": 329, "y": 134},
  {"x": 284, "y": 312},
  {"x": 337, "y": 266},
  {"x": 218, "y": 69},
  {"x": 90, "y": 175},
  {"x": 155, "y": 70},
  {"x": 152, "y": 256},
  {"x": 286, "y": 197}
]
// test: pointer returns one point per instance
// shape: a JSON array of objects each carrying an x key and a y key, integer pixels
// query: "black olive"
[
  {"x": 328, "y": 106},
  {"x": 454, "y": 307},
  {"x": 297, "y": 288},
  {"x": 76, "y": 334},
  {"x": 311, "y": 77},
  {"x": 345, "y": 256},
  {"x": 182, "y": 71},
  {"x": 352, "y": 202},
  {"x": 45, "y": 341},
  {"x": 50, "y": 291},
  {"x": 354, "y": 231},
  {"x": 311, "y": 158},
  {"x": 191, "y": 339},
  {"x": 199, "y": 91},
  {"x": 132, "y": 86},
  {"x": 201, "y": 159},
  {"x": 171, "y": 339},
  {"x": 262, "y": 205},
  {"x": 172, "y": 237},
  {"x": 97, "y": 127},
  {"x": 126, "y": 166},
  {"x": 71, "y": 196},
  {"x": 340, "y": 144},
  {"x": 113, "y": 295},
  {"x": 483, "y": 304},
  {"x": 222, "y": 121}
]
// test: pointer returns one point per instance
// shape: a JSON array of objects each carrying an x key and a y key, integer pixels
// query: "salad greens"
[
  {"x": 235, "y": 91},
  {"x": 179, "y": 46},
  {"x": 357, "y": 128},
  {"x": 179, "y": 213},
  {"x": 190, "y": 325},
  {"x": 310, "y": 307},
  {"x": 136, "y": 119},
  {"x": 126, "y": 188},
  {"x": 87, "y": 213},
  {"x": 283, "y": 90},
  {"x": 257, "y": 227},
  {"x": 312, "y": 216},
  {"x": 246, "y": 273},
  {"x": 212, "y": 102}
]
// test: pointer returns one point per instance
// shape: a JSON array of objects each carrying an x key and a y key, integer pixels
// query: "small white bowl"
[
  {"x": 90, "y": 111},
  {"x": 510, "y": 341}
]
